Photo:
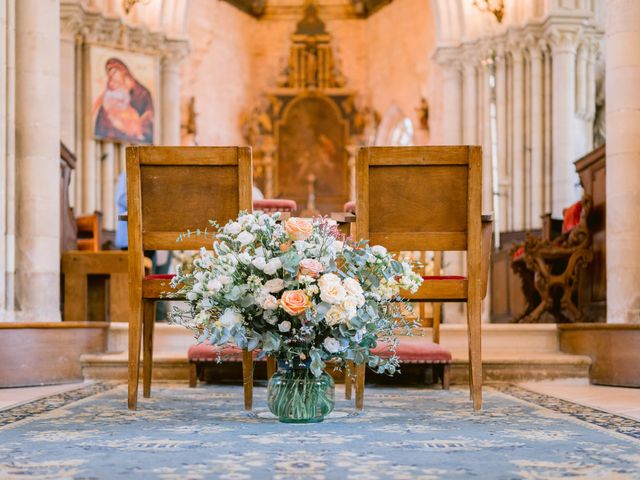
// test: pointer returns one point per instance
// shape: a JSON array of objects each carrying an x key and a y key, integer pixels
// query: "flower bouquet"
[{"x": 301, "y": 292}]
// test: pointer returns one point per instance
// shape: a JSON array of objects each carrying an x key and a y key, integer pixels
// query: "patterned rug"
[{"x": 405, "y": 433}]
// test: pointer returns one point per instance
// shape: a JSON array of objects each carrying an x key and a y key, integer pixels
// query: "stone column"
[
  {"x": 564, "y": 178},
  {"x": 537, "y": 138},
  {"x": 452, "y": 135},
  {"x": 517, "y": 145},
  {"x": 170, "y": 101},
  {"x": 623, "y": 160},
  {"x": 470, "y": 104},
  {"x": 38, "y": 158},
  {"x": 502, "y": 132},
  {"x": 452, "y": 101}
]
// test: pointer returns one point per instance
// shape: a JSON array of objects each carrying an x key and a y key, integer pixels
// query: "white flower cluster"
[{"x": 294, "y": 289}]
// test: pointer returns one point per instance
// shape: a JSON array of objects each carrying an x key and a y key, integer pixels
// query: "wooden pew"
[{"x": 95, "y": 286}]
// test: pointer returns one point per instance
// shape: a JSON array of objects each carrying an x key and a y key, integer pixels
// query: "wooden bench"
[{"x": 95, "y": 286}]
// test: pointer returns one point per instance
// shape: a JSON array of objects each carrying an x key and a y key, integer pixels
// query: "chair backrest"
[
  {"x": 420, "y": 198},
  {"x": 174, "y": 189},
  {"x": 89, "y": 228}
]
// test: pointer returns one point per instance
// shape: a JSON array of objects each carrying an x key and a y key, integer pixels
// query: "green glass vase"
[{"x": 295, "y": 395}]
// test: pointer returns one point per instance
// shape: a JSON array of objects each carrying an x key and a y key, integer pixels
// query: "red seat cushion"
[
  {"x": 415, "y": 350},
  {"x": 518, "y": 254},
  {"x": 443, "y": 277},
  {"x": 571, "y": 217},
  {"x": 275, "y": 205},
  {"x": 160, "y": 276},
  {"x": 350, "y": 207},
  {"x": 205, "y": 352}
]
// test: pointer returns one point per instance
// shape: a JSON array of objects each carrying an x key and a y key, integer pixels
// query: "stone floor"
[{"x": 617, "y": 400}]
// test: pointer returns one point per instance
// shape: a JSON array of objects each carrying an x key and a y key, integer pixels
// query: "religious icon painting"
[{"x": 123, "y": 88}]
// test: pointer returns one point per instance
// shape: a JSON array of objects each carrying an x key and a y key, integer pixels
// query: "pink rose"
[
  {"x": 298, "y": 228},
  {"x": 294, "y": 302},
  {"x": 310, "y": 267}
]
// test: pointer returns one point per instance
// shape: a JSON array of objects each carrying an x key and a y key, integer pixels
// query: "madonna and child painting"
[{"x": 122, "y": 90}]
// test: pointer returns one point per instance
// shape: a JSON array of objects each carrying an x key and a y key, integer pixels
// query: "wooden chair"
[
  {"x": 89, "y": 228},
  {"x": 171, "y": 190},
  {"x": 553, "y": 265},
  {"x": 429, "y": 198}
]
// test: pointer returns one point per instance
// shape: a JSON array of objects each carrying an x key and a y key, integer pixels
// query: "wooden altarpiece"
[{"x": 306, "y": 131}]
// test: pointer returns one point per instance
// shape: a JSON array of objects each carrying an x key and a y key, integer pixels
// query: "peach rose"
[
  {"x": 294, "y": 302},
  {"x": 284, "y": 247},
  {"x": 310, "y": 267},
  {"x": 298, "y": 228}
]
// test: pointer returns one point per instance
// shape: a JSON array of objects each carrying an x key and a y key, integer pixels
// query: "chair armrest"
[
  {"x": 486, "y": 239},
  {"x": 343, "y": 217}
]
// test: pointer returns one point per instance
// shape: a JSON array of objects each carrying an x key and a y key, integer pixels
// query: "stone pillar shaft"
[
  {"x": 564, "y": 126},
  {"x": 537, "y": 139},
  {"x": 623, "y": 160},
  {"x": 517, "y": 154},
  {"x": 170, "y": 102},
  {"x": 38, "y": 158}
]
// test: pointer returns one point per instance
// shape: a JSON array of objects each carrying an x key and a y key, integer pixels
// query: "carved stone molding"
[{"x": 111, "y": 31}]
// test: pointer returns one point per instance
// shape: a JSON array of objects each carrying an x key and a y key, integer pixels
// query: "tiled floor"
[
  {"x": 10, "y": 397},
  {"x": 617, "y": 400}
]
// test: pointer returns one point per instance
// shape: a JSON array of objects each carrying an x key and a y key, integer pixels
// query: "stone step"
[
  {"x": 497, "y": 367},
  {"x": 499, "y": 338}
]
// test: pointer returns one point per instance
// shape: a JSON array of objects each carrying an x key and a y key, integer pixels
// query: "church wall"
[
  {"x": 218, "y": 72},
  {"x": 400, "y": 69}
]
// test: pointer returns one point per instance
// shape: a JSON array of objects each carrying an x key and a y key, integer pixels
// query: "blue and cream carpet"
[{"x": 203, "y": 433}]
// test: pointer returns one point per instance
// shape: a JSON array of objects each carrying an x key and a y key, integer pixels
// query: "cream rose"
[
  {"x": 327, "y": 279},
  {"x": 334, "y": 316},
  {"x": 311, "y": 267},
  {"x": 332, "y": 293},
  {"x": 298, "y": 228},
  {"x": 274, "y": 285},
  {"x": 294, "y": 302},
  {"x": 352, "y": 286}
]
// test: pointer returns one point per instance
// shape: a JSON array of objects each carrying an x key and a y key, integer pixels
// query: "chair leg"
[
  {"x": 474, "y": 312},
  {"x": 271, "y": 367},
  {"x": 135, "y": 337},
  {"x": 193, "y": 375},
  {"x": 360, "y": 374},
  {"x": 148, "y": 324},
  {"x": 348, "y": 380},
  {"x": 446, "y": 376},
  {"x": 247, "y": 378}
]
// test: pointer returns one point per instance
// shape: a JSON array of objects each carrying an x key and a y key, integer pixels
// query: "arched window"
[{"x": 402, "y": 133}]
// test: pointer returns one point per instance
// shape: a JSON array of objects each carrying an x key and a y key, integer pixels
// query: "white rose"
[
  {"x": 225, "y": 279},
  {"x": 378, "y": 250},
  {"x": 259, "y": 252},
  {"x": 269, "y": 302},
  {"x": 337, "y": 246},
  {"x": 274, "y": 285},
  {"x": 328, "y": 278},
  {"x": 233, "y": 228},
  {"x": 334, "y": 316},
  {"x": 259, "y": 263},
  {"x": 245, "y": 258},
  {"x": 331, "y": 345},
  {"x": 247, "y": 219},
  {"x": 231, "y": 318},
  {"x": 284, "y": 326},
  {"x": 273, "y": 266},
  {"x": 350, "y": 304},
  {"x": 214, "y": 285},
  {"x": 332, "y": 293},
  {"x": 270, "y": 318},
  {"x": 352, "y": 286},
  {"x": 192, "y": 296},
  {"x": 245, "y": 238}
]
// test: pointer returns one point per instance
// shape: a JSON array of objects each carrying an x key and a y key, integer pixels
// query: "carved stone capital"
[
  {"x": 563, "y": 40},
  {"x": 174, "y": 52}
]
